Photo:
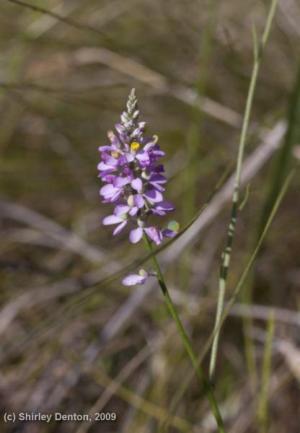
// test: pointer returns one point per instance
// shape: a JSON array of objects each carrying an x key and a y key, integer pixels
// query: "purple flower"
[
  {"x": 136, "y": 235},
  {"x": 134, "y": 180},
  {"x": 154, "y": 234},
  {"x": 134, "y": 279},
  {"x": 114, "y": 219},
  {"x": 112, "y": 191}
]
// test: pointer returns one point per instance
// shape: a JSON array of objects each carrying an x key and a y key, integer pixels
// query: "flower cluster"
[{"x": 134, "y": 180}]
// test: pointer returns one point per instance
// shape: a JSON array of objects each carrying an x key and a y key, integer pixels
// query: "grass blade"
[{"x": 258, "y": 51}]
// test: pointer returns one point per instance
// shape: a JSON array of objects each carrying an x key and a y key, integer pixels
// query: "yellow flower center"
[{"x": 135, "y": 146}]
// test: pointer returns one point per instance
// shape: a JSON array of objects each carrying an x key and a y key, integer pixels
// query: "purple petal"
[
  {"x": 129, "y": 157},
  {"x": 157, "y": 186},
  {"x": 102, "y": 166},
  {"x": 133, "y": 279},
  {"x": 154, "y": 234},
  {"x": 105, "y": 148},
  {"x": 137, "y": 184},
  {"x": 107, "y": 177},
  {"x": 168, "y": 233},
  {"x": 153, "y": 196},
  {"x": 139, "y": 201},
  {"x": 119, "y": 228},
  {"x": 122, "y": 160},
  {"x": 165, "y": 206},
  {"x": 112, "y": 219},
  {"x": 143, "y": 157},
  {"x": 158, "y": 153},
  {"x": 110, "y": 193},
  {"x": 154, "y": 211},
  {"x": 121, "y": 181},
  {"x": 136, "y": 235},
  {"x": 110, "y": 160},
  {"x": 149, "y": 146},
  {"x": 116, "y": 196},
  {"x": 133, "y": 211},
  {"x": 121, "y": 209},
  {"x": 108, "y": 190},
  {"x": 158, "y": 178}
]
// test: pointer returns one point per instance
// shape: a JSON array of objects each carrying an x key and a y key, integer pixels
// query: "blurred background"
[{"x": 73, "y": 339}]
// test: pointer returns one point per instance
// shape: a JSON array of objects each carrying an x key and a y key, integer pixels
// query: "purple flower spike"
[{"x": 134, "y": 181}]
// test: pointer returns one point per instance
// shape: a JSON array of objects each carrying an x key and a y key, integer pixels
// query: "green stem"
[
  {"x": 186, "y": 340},
  {"x": 226, "y": 256}
]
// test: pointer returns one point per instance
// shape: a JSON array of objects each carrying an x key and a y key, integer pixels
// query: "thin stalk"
[
  {"x": 258, "y": 51},
  {"x": 186, "y": 340}
]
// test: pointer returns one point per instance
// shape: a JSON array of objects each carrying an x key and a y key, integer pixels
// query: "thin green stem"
[
  {"x": 226, "y": 256},
  {"x": 186, "y": 340}
]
